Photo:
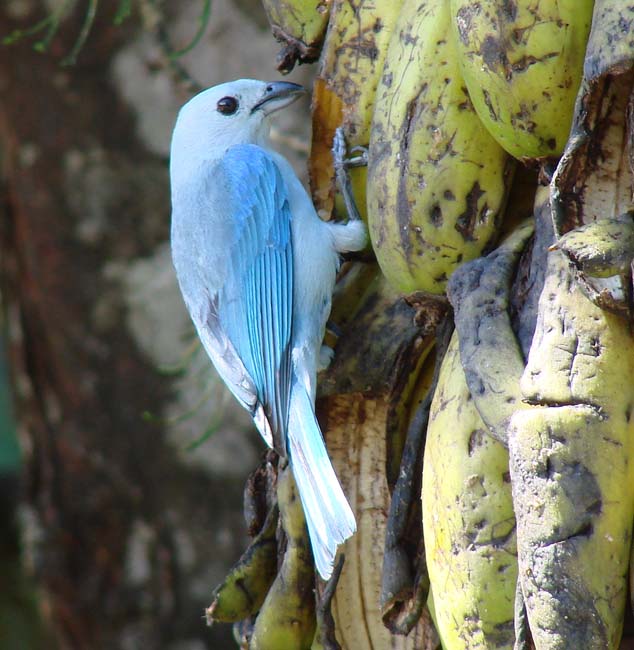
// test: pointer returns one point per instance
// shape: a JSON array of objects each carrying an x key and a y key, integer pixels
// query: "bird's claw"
[
  {"x": 340, "y": 151},
  {"x": 342, "y": 165},
  {"x": 360, "y": 160}
]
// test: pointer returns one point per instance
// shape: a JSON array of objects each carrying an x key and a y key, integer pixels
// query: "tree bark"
[{"x": 128, "y": 530}]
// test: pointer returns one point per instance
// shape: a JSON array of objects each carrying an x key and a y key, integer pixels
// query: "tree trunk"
[{"x": 126, "y": 528}]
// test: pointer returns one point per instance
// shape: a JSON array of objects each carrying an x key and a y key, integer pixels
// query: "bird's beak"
[{"x": 278, "y": 94}]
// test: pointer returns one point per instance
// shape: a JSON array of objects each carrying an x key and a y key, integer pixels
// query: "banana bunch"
[
  {"x": 522, "y": 63},
  {"x": 437, "y": 181},
  {"x": 527, "y": 480}
]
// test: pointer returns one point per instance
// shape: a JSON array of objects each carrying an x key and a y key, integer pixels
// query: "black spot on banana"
[
  {"x": 437, "y": 181},
  {"x": 522, "y": 62},
  {"x": 286, "y": 620}
]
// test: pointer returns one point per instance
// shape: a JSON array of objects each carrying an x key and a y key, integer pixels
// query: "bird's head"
[{"x": 231, "y": 113}]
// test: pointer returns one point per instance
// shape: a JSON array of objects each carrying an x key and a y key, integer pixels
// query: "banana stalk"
[
  {"x": 376, "y": 355},
  {"x": 301, "y": 26},
  {"x": 343, "y": 95},
  {"x": 287, "y": 618},
  {"x": 468, "y": 520},
  {"x": 243, "y": 591},
  {"x": 437, "y": 181},
  {"x": 522, "y": 63},
  {"x": 356, "y": 443},
  {"x": 571, "y": 469}
]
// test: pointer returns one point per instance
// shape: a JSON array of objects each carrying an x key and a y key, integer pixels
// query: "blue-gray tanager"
[{"x": 257, "y": 267}]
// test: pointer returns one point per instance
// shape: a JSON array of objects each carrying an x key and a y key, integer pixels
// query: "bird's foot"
[{"x": 342, "y": 164}]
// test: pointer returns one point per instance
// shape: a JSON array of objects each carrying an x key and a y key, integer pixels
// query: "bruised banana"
[
  {"x": 571, "y": 469},
  {"x": 243, "y": 591},
  {"x": 522, "y": 62},
  {"x": 468, "y": 521},
  {"x": 479, "y": 292},
  {"x": 344, "y": 90},
  {"x": 437, "y": 181},
  {"x": 287, "y": 618},
  {"x": 301, "y": 25}
]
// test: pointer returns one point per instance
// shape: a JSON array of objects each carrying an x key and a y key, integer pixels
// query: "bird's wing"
[{"x": 250, "y": 314}]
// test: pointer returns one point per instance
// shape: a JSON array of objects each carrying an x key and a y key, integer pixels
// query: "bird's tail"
[{"x": 328, "y": 515}]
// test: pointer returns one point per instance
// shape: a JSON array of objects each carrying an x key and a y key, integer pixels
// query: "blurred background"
[{"x": 122, "y": 458}]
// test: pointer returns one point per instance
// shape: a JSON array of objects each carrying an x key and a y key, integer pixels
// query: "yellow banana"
[
  {"x": 437, "y": 181},
  {"x": 287, "y": 618},
  {"x": 571, "y": 469},
  {"x": 522, "y": 62},
  {"x": 243, "y": 591},
  {"x": 600, "y": 249},
  {"x": 301, "y": 25},
  {"x": 468, "y": 520},
  {"x": 343, "y": 95}
]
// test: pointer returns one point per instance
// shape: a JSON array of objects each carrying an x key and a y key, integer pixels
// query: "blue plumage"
[
  {"x": 256, "y": 267},
  {"x": 256, "y": 301}
]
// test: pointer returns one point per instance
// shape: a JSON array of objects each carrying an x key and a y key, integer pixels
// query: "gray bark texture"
[{"x": 127, "y": 524}]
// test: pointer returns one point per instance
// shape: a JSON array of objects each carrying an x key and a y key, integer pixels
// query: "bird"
[{"x": 257, "y": 266}]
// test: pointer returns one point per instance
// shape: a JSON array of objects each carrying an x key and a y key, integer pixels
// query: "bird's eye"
[{"x": 227, "y": 105}]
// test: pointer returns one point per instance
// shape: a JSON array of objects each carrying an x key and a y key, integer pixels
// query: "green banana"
[
  {"x": 287, "y": 618},
  {"x": 571, "y": 469},
  {"x": 243, "y": 591},
  {"x": 522, "y": 62},
  {"x": 437, "y": 181},
  {"x": 468, "y": 520},
  {"x": 343, "y": 94},
  {"x": 301, "y": 25}
]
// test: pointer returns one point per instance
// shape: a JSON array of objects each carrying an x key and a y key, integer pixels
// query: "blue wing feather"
[{"x": 255, "y": 303}]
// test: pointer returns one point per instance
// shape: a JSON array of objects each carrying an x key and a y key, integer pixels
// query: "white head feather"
[{"x": 232, "y": 113}]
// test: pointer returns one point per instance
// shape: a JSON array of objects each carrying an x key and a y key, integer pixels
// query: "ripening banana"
[
  {"x": 343, "y": 95},
  {"x": 301, "y": 24},
  {"x": 571, "y": 468},
  {"x": 600, "y": 249},
  {"x": 468, "y": 521},
  {"x": 522, "y": 62},
  {"x": 286, "y": 620},
  {"x": 243, "y": 591},
  {"x": 437, "y": 181}
]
